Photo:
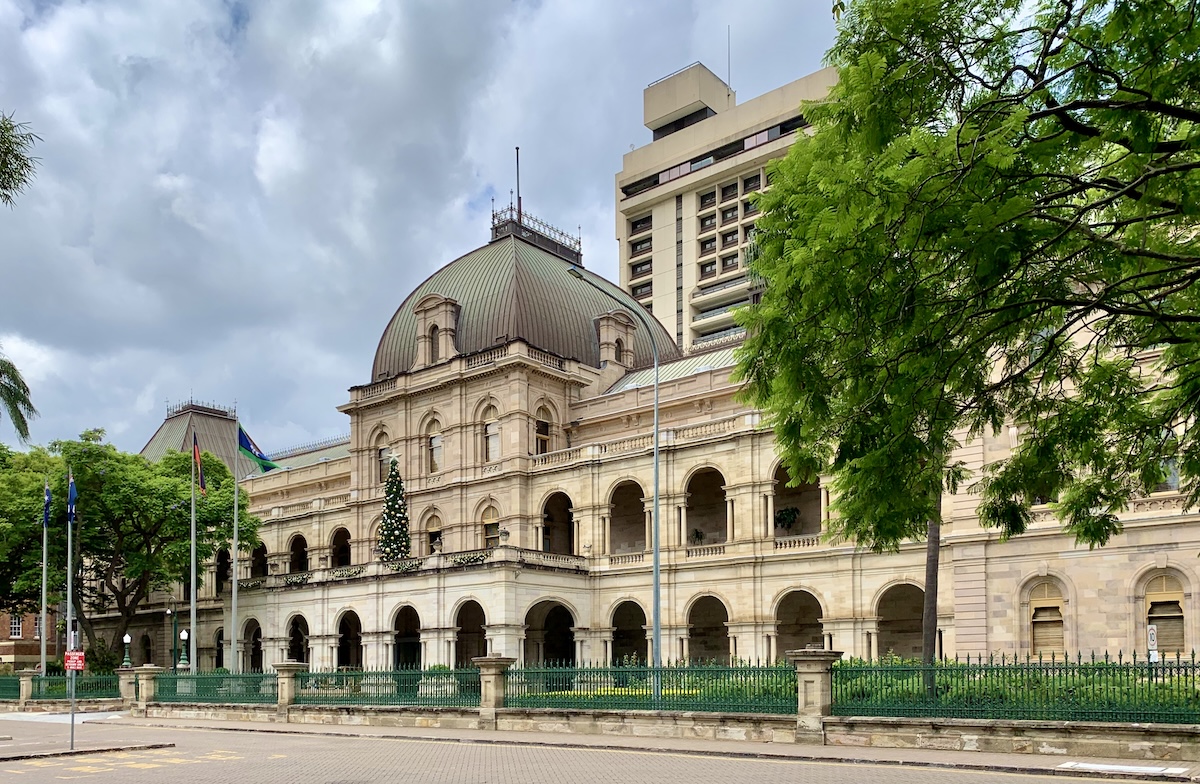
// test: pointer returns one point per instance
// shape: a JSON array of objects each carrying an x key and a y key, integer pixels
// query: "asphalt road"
[{"x": 211, "y": 757}]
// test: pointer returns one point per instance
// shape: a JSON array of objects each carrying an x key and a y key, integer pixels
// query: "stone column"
[
  {"x": 147, "y": 676},
  {"x": 770, "y": 527},
  {"x": 492, "y": 677},
  {"x": 814, "y": 692},
  {"x": 26, "y": 687},
  {"x": 730, "y": 524},
  {"x": 127, "y": 683},
  {"x": 287, "y": 682}
]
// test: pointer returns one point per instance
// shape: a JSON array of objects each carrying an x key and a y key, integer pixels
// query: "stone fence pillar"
[
  {"x": 493, "y": 674},
  {"x": 26, "y": 687},
  {"x": 127, "y": 682},
  {"x": 814, "y": 692},
  {"x": 146, "y": 676},
  {"x": 287, "y": 682}
]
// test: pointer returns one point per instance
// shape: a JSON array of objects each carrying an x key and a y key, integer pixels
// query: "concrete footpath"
[{"x": 1037, "y": 764}]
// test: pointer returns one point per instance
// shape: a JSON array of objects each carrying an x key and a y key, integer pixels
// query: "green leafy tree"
[
  {"x": 132, "y": 536},
  {"x": 14, "y": 398},
  {"x": 394, "y": 541},
  {"x": 993, "y": 220},
  {"x": 17, "y": 165},
  {"x": 17, "y": 168}
]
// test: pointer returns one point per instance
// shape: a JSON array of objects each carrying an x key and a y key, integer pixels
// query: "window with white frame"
[{"x": 14, "y": 626}]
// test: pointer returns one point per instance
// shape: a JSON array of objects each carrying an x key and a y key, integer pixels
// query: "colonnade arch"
[
  {"x": 298, "y": 648},
  {"x": 558, "y": 525},
  {"x": 297, "y": 554},
  {"x": 407, "y": 637},
  {"x": 900, "y": 609},
  {"x": 629, "y": 633},
  {"x": 707, "y": 520},
  {"x": 253, "y": 646},
  {"x": 708, "y": 632},
  {"x": 470, "y": 639},
  {"x": 339, "y": 548},
  {"x": 798, "y": 509},
  {"x": 627, "y": 521},
  {"x": 350, "y": 641},
  {"x": 798, "y": 622},
  {"x": 549, "y": 634}
]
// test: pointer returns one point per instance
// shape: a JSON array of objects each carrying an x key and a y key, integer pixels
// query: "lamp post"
[
  {"x": 174, "y": 635},
  {"x": 656, "y": 616},
  {"x": 126, "y": 639},
  {"x": 183, "y": 649}
]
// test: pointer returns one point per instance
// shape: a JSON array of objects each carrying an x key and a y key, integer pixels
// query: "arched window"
[
  {"x": 433, "y": 534},
  {"x": 491, "y": 527},
  {"x": 340, "y": 548},
  {"x": 1046, "y": 620},
  {"x": 434, "y": 447},
  {"x": 1164, "y": 611},
  {"x": 435, "y": 353},
  {"x": 542, "y": 432},
  {"x": 620, "y": 351},
  {"x": 491, "y": 435},
  {"x": 385, "y": 463}
]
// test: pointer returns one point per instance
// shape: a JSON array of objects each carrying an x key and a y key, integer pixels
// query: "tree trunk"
[{"x": 929, "y": 615}]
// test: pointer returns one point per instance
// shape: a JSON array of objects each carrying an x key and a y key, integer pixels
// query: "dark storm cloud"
[{"x": 234, "y": 197}]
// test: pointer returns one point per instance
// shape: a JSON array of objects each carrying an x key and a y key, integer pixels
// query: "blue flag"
[
  {"x": 46, "y": 507},
  {"x": 71, "y": 496},
  {"x": 250, "y": 449}
]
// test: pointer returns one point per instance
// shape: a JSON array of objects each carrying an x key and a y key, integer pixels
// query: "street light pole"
[
  {"x": 174, "y": 636},
  {"x": 656, "y": 591}
]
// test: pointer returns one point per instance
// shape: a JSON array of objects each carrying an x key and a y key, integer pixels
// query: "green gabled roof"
[
  {"x": 512, "y": 290},
  {"x": 680, "y": 368},
  {"x": 216, "y": 431}
]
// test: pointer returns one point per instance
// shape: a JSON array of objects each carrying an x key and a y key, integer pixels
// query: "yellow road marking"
[{"x": 92, "y": 769}]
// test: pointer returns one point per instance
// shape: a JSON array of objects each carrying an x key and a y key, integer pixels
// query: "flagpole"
[
  {"x": 45, "y": 566},
  {"x": 233, "y": 623},
  {"x": 191, "y": 641},
  {"x": 71, "y": 597}
]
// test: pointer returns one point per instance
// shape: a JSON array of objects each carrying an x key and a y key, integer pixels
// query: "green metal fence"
[
  {"x": 1092, "y": 689},
  {"x": 216, "y": 687},
  {"x": 10, "y": 687},
  {"x": 435, "y": 687},
  {"x": 87, "y": 687},
  {"x": 715, "y": 688}
]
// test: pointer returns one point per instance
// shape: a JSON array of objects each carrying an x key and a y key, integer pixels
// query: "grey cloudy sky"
[{"x": 234, "y": 197}]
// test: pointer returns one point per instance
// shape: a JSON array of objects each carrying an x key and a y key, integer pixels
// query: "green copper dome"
[{"x": 512, "y": 290}]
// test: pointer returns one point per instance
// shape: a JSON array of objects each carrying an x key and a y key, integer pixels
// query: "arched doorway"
[
  {"x": 219, "y": 645},
  {"x": 298, "y": 639},
  {"x": 349, "y": 651},
  {"x": 147, "y": 650},
  {"x": 254, "y": 649},
  {"x": 797, "y": 623},
  {"x": 258, "y": 561},
  {"x": 549, "y": 638},
  {"x": 298, "y": 559},
  {"x": 797, "y": 509},
  {"x": 471, "y": 640},
  {"x": 224, "y": 570},
  {"x": 407, "y": 650},
  {"x": 708, "y": 635},
  {"x": 706, "y": 508},
  {"x": 900, "y": 610},
  {"x": 340, "y": 548},
  {"x": 558, "y": 525},
  {"x": 627, "y": 525},
  {"x": 629, "y": 634}
]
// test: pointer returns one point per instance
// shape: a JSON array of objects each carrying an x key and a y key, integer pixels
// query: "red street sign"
[{"x": 73, "y": 660}]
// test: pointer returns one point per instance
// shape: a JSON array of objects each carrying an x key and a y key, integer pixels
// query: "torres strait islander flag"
[
  {"x": 199, "y": 466},
  {"x": 250, "y": 449}
]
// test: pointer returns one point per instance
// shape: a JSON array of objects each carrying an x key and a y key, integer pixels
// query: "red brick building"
[{"x": 20, "y": 640}]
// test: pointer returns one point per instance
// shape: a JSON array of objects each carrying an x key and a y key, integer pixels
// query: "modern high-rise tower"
[{"x": 684, "y": 216}]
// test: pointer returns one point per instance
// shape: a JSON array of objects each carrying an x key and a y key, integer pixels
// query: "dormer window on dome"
[{"x": 437, "y": 329}]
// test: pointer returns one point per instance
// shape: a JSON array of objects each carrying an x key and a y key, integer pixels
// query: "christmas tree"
[{"x": 394, "y": 542}]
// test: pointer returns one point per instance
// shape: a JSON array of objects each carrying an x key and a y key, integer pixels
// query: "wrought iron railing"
[
  {"x": 434, "y": 687},
  {"x": 1094, "y": 688},
  {"x": 217, "y": 687},
  {"x": 87, "y": 687},
  {"x": 696, "y": 687}
]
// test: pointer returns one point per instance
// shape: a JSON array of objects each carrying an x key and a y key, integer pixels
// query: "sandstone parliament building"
[{"x": 514, "y": 388}]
